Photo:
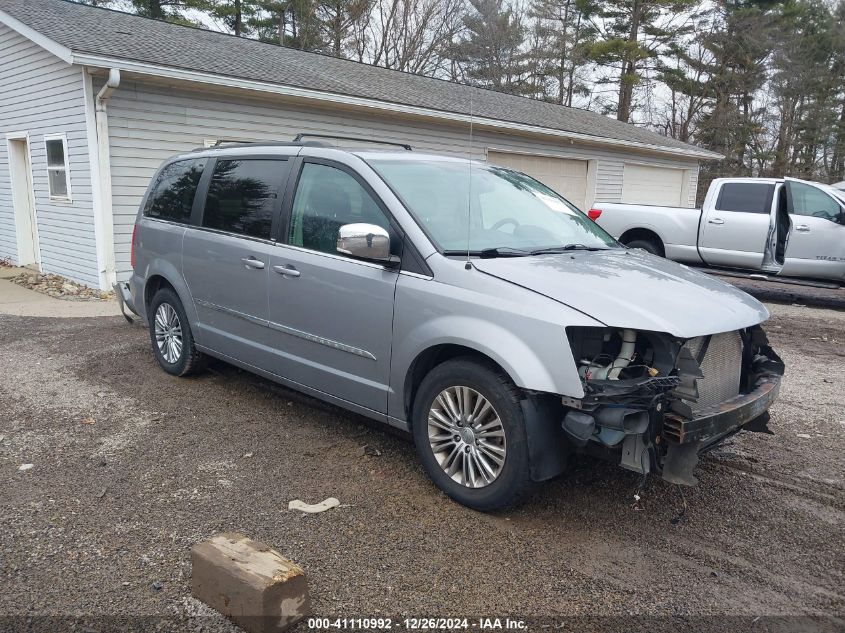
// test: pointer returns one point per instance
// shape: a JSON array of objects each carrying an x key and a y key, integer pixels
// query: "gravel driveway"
[{"x": 132, "y": 466}]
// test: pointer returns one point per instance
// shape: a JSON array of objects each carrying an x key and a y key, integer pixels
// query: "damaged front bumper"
[
  {"x": 725, "y": 418},
  {"x": 662, "y": 423}
]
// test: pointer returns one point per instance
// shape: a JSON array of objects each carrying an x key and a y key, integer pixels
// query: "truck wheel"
[
  {"x": 171, "y": 336},
  {"x": 470, "y": 434},
  {"x": 650, "y": 246}
]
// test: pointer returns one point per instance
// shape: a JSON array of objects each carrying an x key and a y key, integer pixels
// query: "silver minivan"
[{"x": 465, "y": 303}]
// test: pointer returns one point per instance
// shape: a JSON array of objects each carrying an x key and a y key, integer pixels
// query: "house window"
[{"x": 58, "y": 175}]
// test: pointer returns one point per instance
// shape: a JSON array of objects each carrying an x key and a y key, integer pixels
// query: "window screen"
[
  {"x": 746, "y": 197},
  {"x": 173, "y": 193},
  {"x": 57, "y": 178},
  {"x": 243, "y": 195}
]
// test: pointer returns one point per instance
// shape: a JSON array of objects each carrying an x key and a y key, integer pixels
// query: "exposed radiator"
[{"x": 722, "y": 368}]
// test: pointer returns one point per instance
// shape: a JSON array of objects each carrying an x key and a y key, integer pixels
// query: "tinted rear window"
[
  {"x": 173, "y": 193},
  {"x": 748, "y": 197},
  {"x": 243, "y": 195}
]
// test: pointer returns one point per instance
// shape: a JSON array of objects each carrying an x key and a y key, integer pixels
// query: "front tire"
[
  {"x": 469, "y": 431},
  {"x": 171, "y": 336}
]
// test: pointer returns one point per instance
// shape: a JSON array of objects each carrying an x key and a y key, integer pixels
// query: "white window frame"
[{"x": 63, "y": 139}]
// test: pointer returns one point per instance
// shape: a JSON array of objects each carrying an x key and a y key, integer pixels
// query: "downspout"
[{"x": 104, "y": 159}]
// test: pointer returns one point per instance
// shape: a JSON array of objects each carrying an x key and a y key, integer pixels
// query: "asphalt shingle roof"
[{"x": 96, "y": 31}]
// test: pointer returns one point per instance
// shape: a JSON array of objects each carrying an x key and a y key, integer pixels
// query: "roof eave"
[{"x": 180, "y": 74}]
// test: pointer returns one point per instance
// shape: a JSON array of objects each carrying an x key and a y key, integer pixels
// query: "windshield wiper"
[
  {"x": 568, "y": 247},
  {"x": 503, "y": 251}
]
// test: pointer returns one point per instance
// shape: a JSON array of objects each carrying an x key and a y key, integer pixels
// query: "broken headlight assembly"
[{"x": 654, "y": 401}]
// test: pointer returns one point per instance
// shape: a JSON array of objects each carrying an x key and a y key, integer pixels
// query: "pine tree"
[
  {"x": 236, "y": 15},
  {"x": 491, "y": 54},
  {"x": 563, "y": 35},
  {"x": 170, "y": 10},
  {"x": 633, "y": 35}
]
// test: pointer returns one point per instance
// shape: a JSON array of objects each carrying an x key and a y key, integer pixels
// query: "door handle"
[
  {"x": 287, "y": 271},
  {"x": 716, "y": 221},
  {"x": 251, "y": 262},
  {"x": 803, "y": 228}
]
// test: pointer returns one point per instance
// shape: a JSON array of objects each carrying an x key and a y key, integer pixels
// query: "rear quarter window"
[
  {"x": 746, "y": 197},
  {"x": 172, "y": 195}
]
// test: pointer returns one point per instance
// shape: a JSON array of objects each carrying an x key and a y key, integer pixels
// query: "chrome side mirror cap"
[{"x": 365, "y": 241}]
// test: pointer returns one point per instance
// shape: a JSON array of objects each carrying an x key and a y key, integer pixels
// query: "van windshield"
[{"x": 495, "y": 211}]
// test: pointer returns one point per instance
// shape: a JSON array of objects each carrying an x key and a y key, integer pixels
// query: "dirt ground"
[{"x": 131, "y": 466}]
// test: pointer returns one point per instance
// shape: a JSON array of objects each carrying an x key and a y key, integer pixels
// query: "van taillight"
[
  {"x": 594, "y": 214},
  {"x": 132, "y": 250}
]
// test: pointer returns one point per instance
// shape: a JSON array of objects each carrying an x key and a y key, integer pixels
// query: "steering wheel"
[
  {"x": 503, "y": 222},
  {"x": 821, "y": 214}
]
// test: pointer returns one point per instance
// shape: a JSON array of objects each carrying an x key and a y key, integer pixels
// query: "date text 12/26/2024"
[{"x": 417, "y": 624}]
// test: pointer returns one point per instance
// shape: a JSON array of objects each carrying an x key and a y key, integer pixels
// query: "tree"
[
  {"x": 632, "y": 35},
  {"x": 410, "y": 35},
  {"x": 288, "y": 22},
  {"x": 170, "y": 10},
  {"x": 837, "y": 161},
  {"x": 491, "y": 53},
  {"x": 236, "y": 15},
  {"x": 563, "y": 35}
]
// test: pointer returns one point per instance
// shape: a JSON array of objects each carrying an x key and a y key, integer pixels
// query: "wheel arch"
[
  {"x": 164, "y": 274},
  {"x": 548, "y": 448},
  {"x": 433, "y": 356},
  {"x": 640, "y": 233}
]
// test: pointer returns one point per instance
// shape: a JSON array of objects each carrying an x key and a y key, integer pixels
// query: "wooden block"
[{"x": 247, "y": 581}]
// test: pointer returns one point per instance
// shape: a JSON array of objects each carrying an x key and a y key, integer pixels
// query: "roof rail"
[
  {"x": 301, "y": 135},
  {"x": 227, "y": 143}
]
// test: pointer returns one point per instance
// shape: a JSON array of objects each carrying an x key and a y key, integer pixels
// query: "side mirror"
[{"x": 365, "y": 241}]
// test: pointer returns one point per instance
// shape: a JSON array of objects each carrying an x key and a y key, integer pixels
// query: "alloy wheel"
[
  {"x": 168, "y": 332},
  {"x": 466, "y": 436}
]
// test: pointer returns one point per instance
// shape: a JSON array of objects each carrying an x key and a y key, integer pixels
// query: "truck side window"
[
  {"x": 746, "y": 197},
  {"x": 807, "y": 200},
  {"x": 173, "y": 193},
  {"x": 242, "y": 196}
]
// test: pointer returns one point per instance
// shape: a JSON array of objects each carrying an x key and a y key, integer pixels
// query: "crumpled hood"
[{"x": 632, "y": 289}]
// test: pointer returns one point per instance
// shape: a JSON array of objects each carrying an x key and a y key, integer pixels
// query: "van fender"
[
  {"x": 542, "y": 367},
  {"x": 163, "y": 268},
  {"x": 554, "y": 372}
]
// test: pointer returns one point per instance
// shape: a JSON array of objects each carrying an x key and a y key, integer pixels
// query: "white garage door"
[
  {"x": 643, "y": 184},
  {"x": 566, "y": 176}
]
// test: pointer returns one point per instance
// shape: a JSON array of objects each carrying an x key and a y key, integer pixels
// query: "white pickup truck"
[{"x": 783, "y": 227}]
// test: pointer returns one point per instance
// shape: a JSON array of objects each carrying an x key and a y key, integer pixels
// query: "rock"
[
  {"x": 249, "y": 582},
  {"x": 157, "y": 586},
  {"x": 26, "y": 466}
]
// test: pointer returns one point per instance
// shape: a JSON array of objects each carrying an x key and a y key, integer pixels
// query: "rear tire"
[
  {"x": 171, "y": 336},
  {"x": 651, "y": 246},
  {"x": 478, "y": 455}
]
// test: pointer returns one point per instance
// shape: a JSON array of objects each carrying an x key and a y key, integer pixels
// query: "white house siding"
[
  {"x": 148, "y": 123},
  {"x": 41, "y": 94}
]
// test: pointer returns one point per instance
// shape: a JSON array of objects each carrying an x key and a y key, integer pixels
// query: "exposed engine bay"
[{"x": 655, "y": 402}]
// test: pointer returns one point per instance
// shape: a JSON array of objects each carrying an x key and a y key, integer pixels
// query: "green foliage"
[
  {"x": 634, "y": 34},
  {"x": 491, "y": 52}
]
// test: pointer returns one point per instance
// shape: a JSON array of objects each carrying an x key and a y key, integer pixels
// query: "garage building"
[{"x": 92, "y": 100}]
